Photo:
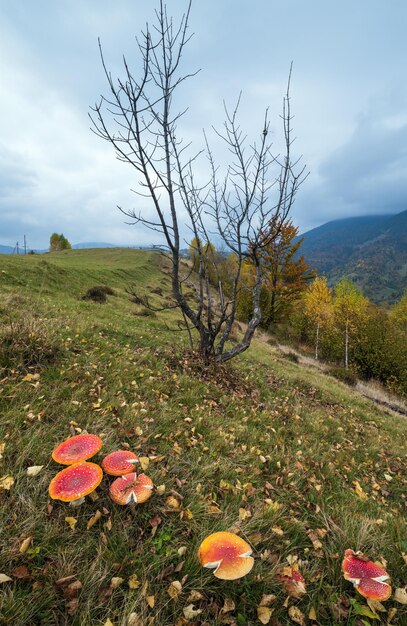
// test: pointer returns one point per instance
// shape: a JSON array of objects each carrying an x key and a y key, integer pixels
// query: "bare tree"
[{"x": 258, "y": 189}]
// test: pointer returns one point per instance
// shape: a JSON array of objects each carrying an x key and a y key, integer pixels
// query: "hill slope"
[
  {"x": 295, "y": 462},
  {"x": 371, "y": 250}
]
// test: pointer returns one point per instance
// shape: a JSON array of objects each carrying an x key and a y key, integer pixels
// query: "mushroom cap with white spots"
[
  {"x": 76, "y": 449},
  {"x": 227, "y": 554},
  {"x": 75, "y": 481},
  {"x": 119, "y": 463},
  {"x": 131, "y": 488}
]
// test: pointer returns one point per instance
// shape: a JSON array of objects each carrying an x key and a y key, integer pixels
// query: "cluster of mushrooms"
[
  {"x": 80, "y": 478},
  {"x": 226, "y": 553},
  {"x": 230, "y": 558}
]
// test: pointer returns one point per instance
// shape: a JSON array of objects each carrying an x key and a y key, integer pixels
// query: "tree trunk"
[
  {"x": 317, "y": 343},
  {"x": 347, "y": 344}
]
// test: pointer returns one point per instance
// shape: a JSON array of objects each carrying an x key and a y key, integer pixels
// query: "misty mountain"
[{"x": 370, "y": 250}]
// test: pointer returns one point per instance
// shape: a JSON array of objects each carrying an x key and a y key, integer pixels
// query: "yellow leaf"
[
  {"x": 4, "y": 578},
  {"x": 72, "y": 521},
  {"x": 2, "y": 447},
  {"x": 278, "y": 531},
  {"x": 34, "y": 470},
  {"x": 135, "y": 620},
  {"x": 172, "y": 503},
  {"x": 215, "y": 510},
  {"x": 160, "y": 490},
  {"x": 144, "y": 462},
  {"x": 400, "y": 595},
  {"x": 264, "y": 614},
  {"x": 150, "y": 601},
  {"x": 25, "y": 544},
  {"x": 134, "y": 582},
  {"x": 108, "y": 622},
  {"x": 187, "y": 514},
  {"x": 181, "y": 551},
  {"x": 244, "y": 514},
  {"x": 174, "y": 589},
  {"x": 359, "y": 491},
  {"x": 6, "y": 482},
  {"x": 94, "y": 519},
  {"x": 296, "y": 615},
  {"x": 312, "y": 614}
]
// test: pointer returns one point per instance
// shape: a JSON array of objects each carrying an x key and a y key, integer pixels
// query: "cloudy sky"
[{"x": 349, "y": 96}]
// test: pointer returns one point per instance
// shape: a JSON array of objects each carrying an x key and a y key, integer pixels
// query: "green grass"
[{"x": 266, "y": 435}]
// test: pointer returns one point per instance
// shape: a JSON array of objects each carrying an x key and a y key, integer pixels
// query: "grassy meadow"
[{"x": 298, "y": 464}]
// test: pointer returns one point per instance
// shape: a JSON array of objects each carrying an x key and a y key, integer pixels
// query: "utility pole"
[
  {"x": 25, "y": 246},
  {"x": 17, "y": 248}
]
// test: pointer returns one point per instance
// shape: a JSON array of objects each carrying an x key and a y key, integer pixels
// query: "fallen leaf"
[
  {"x": 134, "y": 619},
  {"x": 5, "y": 579},
  {"x": 116, "y": 582},
  {"x": 267, "y": 599},
  {"x": 228, "y": 606},
  {"x": 172, "y": 503},
  {"x": 72, "y": 521},
  {"x": 296, "y": 615},
  {"x": 6, "y": 482},
  {"x": 312, "y": 614},
  {"x": 187, "y": 514},
  {"x": 25, "y": 544},
  {"x": 34, "y": 470},
  {"x": 174, "y": 589},
  {"x": 63, "y": 581},
  {"x": 73, "y": 590},
  {"x": 144, "y": 462},
  {"x": 375, "y": 605},
  {"x": 72, "y": 606},
  {"x": 278, "y": 531},
  {"x": 94, "y": 519},
  {"x": 108, "y": 622},
  {"x": 264, "y": 614},
  {"x": 150, "y": 601},
  {"x": 359, "y": 491},
  {"x": 21, "y": 571},
  {"x": 400, "y": 595},
  {"x": 391, "y": 615},
  {"x": 190, "y": 612},
  {"x": 194, "y": 596},
  {"x": 134, "y": 582},
  {"x": 160, "y": 490}
]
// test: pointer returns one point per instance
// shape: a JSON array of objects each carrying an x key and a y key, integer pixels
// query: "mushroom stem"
[
  {"x": 77, "y": 502},
  {"x": 132, "y": 507}
]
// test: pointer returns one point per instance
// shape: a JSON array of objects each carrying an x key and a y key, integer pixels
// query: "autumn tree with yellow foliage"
[{"x": 319, "y": 308}]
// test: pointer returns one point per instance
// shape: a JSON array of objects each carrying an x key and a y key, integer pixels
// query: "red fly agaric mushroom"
[
  {"x": 75, "y": 482},
  {"x": 131, "y": 489},
  {"x": 293, "y": 581},
  {"x": 367, "y": 577},
  {"x": 227, "y": 554},
  {"x": 76, "y": 449},
  {"x": 119, "y": 463}
]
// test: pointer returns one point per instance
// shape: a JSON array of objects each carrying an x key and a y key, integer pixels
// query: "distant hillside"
[
  {"x": 93, "y": 244},
  {"x": 371, "y": 250},
  {"x": 6, "y": 250}
]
